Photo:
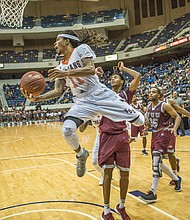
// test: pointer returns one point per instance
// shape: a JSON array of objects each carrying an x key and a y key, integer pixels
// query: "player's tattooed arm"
[
  {"x": 87, "y": 70},
  {"x": 56, "y": 92}
]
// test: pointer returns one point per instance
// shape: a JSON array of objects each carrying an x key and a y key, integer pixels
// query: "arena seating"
[
  {"x": 26, "y": 56},
  {"x": 64, "y": 20},
  {"x": 13, "y": 95},
  {"x": 173, "y": 75},
  {"x": 171, "y": 29}
]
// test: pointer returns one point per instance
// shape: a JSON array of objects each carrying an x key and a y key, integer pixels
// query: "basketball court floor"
[{"x": 38, "y": 179}]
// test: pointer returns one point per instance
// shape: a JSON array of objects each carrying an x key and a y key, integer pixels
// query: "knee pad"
[
  {"x": 156, "y": 162},
  {"x": 67, "y": 132},
  {"x": 69, "y": 128}
]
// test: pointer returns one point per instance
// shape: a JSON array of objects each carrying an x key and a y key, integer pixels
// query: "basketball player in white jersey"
[{"x": 92, "y": 98}]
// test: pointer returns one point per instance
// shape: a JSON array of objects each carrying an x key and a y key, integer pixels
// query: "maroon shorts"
[
  {"x": 171, "y": 147},
  {"x": 161, "y": 141},
  {"x": 114, "y": 150},
  {"x": 135, "y": 130}
]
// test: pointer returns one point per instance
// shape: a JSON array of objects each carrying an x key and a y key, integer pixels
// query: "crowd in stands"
[
  {"x": 26, "y": 56},
  {"x": 171, "y": 76},
  {"x": 13, "y": 95},
  {"x": 23, "y": 117}
]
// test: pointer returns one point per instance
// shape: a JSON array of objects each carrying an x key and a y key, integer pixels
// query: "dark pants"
[{"x": 181, "y": 127}]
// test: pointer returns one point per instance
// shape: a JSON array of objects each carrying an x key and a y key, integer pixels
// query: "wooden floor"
[{"x": 38, "y": 179}]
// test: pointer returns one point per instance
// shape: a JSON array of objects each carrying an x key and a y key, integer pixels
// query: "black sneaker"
[
  {"x": 149, "y": 198},
  {"x": 178, "y": 185},
  {"x": 144, "y": 152}
]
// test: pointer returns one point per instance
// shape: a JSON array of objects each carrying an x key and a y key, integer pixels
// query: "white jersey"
[{"x": 80, "y": 86}]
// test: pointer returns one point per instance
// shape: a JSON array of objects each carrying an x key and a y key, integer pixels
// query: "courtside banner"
[{"x": 172, "y": 44}]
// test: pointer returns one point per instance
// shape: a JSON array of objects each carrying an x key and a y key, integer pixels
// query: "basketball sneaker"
[
  {"x": 122, "y": 213},
  {"x": 144, "y": 152},
  {"x": 178, "y": 185},
  {"x": 109, "y": 216},
  {"x": 81, "y": 163},
  {"x": 150, "y": 197},
  {"x": 177, "y": 163}
]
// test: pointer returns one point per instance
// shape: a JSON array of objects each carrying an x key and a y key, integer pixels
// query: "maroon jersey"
[
  {"x": 127, "y": 95},
  {"x": 110, "y": 127},
  {"x": 138, "y": 107},
  {"x": 159, "y": 119}
]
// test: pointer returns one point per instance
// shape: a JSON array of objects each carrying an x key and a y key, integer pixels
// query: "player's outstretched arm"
[
  {"x": 136, "y": 76},
  {"x": 56, "y": 92},
  {"x": 178, "y": 108},
  {"x": 83, "y": 126},
  {"x": 87, "y": 70}
]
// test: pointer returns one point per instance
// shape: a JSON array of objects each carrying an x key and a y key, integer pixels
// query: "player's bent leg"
[
  {"x": 157, "y": 174},
  {"x": 69, "y": 133},
  {"x": 173, "y": 164},
  {"x": 132, "y": 139}
]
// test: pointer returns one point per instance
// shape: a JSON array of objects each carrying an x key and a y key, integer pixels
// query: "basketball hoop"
[{"x": 12, "y": 12}]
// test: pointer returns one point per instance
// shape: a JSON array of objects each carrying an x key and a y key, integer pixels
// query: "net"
[{"x": 12, "y": 12}]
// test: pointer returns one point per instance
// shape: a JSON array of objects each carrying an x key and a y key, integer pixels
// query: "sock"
[
  {"x": 175, "y": 172},
  {"x": 168, "y": 172},
  {"x": 122, "y": 203},
  {"x": 154, "y": 187},
  {"x": 106, "y": 209},
  {"x": 80, "y": 153}
]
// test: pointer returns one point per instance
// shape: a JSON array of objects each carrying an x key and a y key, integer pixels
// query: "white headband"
[{"x": 68, "y": 36}]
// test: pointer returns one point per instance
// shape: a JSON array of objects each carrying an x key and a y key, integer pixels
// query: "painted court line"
[
  {"x": 50, "y": 210},
  {"x": 18, "y": 139},
  {"x": 35, "y": 155},
  {"x": 32, "y": 167},
  {"x": 3, "y": 128},
  {"x": 134, "y": 197},
  {"x": 92, "y": 175}
]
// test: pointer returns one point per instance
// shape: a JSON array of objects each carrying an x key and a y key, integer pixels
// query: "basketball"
[{"x": 33, "y": 82}]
